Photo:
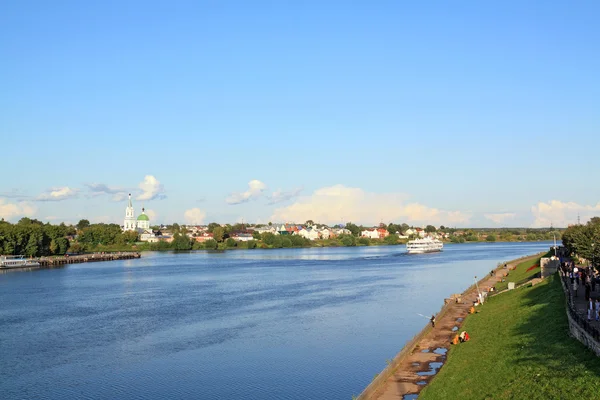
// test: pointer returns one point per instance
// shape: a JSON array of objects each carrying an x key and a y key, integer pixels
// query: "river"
[{"x": 314, "y": 323}]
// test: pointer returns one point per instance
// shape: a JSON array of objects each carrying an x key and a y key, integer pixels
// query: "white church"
[{"x": 141, "y": 225}]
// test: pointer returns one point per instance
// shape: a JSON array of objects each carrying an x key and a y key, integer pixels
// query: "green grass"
[
  {"x": 520, "y": 348},
  {"x": 520, "y": 273}
]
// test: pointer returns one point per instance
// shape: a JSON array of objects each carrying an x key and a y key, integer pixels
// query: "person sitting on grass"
[{"x": 464, "y": 337}]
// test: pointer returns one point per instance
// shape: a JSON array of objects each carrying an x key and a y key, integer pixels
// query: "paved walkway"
[
  {"x": 581, "y": 305},
  {"x": 415, "y": 370}
]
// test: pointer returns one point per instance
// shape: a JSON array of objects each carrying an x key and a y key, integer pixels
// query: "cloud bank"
[
  {"x": 58, "y": 194},
  {"x": 8, "y": 211},
  {"x": 255, "y": 189},
  {"x": 339, "y": 203},
  {"x": 500, "y": 218},
  {"x": 280, "y": 196},
  {"x": 152, "y": 189},
  {"x": 117, "y": 193},
  {"x": 561, "y": 214},
  {"x": 194, "y": 216}
]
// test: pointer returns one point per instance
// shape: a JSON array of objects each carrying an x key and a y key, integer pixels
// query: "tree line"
[{"x": 584, "y": 240}]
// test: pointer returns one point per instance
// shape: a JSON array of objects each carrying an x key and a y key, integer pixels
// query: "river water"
[{"x": 257, "y": 324}]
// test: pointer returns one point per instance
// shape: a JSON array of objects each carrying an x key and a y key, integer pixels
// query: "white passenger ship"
[
  {"x": 425, "y": 245},
  {"x": 17, "y": 262}
]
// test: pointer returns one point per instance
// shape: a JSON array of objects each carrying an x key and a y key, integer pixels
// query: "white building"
[
  {"x": 309, "y": 233},
  {"x": 129, "y": 222},
  {"x": 141, "y": 225},
  {"x": 370, "y": 233}
]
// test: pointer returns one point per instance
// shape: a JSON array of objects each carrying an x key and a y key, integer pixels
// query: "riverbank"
[
  {"x": 520, "y": 348},
  {"x": 422, "y": 357},
  {"x": 256, "y": 244}
]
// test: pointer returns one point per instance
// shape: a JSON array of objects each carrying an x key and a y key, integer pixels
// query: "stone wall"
[
  {"x": 549, "y": 266},
  {"x": 578, "y": 324},
  {"x": 578, "y": 333}
]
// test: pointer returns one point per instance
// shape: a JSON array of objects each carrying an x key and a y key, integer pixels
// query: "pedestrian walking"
[
  {"x": 590, "y": 309},
  {"x": 587, "y": 292},
  {"x": 597, "y": 309},
  {"x": 574, "y": 288},
  {"x": 432, "y": 321}
]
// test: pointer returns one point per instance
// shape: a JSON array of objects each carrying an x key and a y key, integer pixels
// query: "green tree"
[
  {"x": 181, "y": 242},
  {"x": 490, "y": 238},
  {"x": 391, "y": 239},
  {"x": 129, "y": 237},
  {"x": 82, "y": 224},
  {"x": 286, "y": 242},
  {"x": 364, "y": 241},
  {"x": 211, "y": 244},
  {"x": 256, "y": 235},
  {"x": 393, "y": 228},
  {"x": 347, "y": 240},
  {"x": 430, "y": 229},
  {"x": 218, "y": 233},
  {"x": 230, "y": 242},
  {"x": 211, "y": 227},
  {"x": 355, "y": 229},
  {"x": 59, "y": 246},
  {"x": 268, "y": 238}
]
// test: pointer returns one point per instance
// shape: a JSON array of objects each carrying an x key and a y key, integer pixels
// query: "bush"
[
  {"x": 391, "y": 239},
  {"x": 211, "y": 244},
  {"x": 230, "y": 242},
  {"x": 364, "y": 241},
  {"x": 347, "y": 240},
  {"x": 491, "y": 238},
  {"x": 286, "y": 242}
]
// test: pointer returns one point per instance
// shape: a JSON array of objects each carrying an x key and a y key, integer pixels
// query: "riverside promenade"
[{"x": 420, "y": 359}]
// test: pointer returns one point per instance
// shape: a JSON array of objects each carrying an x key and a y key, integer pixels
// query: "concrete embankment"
[
  {"x": 48, "y": 262},
  {"x": 420, "y": 359}
]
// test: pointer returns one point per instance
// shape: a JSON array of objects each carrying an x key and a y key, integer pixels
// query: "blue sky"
[{"x": 464, "y": 114}]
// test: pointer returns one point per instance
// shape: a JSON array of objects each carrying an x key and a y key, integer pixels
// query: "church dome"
[{"x": 143, "y": 217}]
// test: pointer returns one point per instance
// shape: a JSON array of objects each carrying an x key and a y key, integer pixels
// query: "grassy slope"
[
  {"x": 520, "y": 348},
  {"x": 520, "y": 273}
]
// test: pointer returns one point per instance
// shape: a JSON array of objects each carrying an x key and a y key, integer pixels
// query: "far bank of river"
[{"x": 256, "y": 324}]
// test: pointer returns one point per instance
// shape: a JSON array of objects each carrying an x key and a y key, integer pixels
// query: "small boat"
[
  {"x": 425, "y": 245},
  {"x": 7, "y": 262}
]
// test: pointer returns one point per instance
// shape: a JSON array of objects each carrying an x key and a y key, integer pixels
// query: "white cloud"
[
  {"x": 560, "y": 214},
  {"x": 118, "y": 194},
  {"x": 12, "y": 210},
  {"x": 342, "y": 204},
  {"x": 58, "y": 194},
  {"x": 152, "y": 189},
  {"x": 194, "y": 216},
  {"x": 280, "y": 196},
  {"x": 152, "y": 215},
  {"x": 500, "y": 218},
  {"x": 255, "y": 189}
]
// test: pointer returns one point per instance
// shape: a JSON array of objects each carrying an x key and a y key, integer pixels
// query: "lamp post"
[{"x": 477, "y": 286}]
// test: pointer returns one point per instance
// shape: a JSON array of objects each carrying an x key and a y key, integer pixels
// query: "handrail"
[{"x": 572, "y": 310}]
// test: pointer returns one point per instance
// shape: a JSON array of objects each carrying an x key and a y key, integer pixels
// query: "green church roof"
[{"x": 143, "y": 217}]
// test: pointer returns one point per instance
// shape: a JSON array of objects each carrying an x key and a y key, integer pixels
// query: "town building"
[{"x": 141, "y": 225}]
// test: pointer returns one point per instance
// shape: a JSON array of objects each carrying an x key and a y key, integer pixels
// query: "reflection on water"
[{"x": 259, "y": 324}]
